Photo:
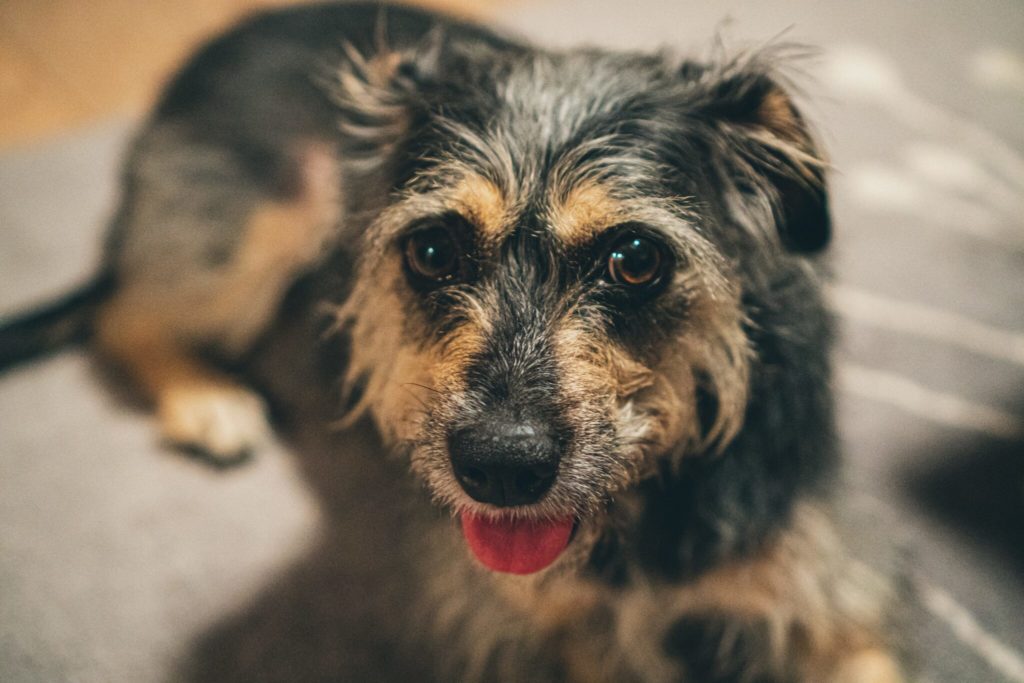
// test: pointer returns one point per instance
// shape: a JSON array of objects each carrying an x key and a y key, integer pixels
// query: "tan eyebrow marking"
[
  {"x": 483, "y": 204},
  {"x": 581, "y": 214}
]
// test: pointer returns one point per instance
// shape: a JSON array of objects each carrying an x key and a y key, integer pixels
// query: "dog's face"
[{"x": 551, "y": 301}]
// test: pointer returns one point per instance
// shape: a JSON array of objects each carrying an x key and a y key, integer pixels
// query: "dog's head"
[{"x": 550, "y": 303}]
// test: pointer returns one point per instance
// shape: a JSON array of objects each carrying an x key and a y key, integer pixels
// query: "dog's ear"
[
  {"x": 773, "y": 153},
  {"x": 377, "y": 95}
]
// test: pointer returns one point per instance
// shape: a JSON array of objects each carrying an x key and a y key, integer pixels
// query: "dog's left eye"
[
  {"x": 635, "y": 262},
  {"x": 432, "y": 255}
]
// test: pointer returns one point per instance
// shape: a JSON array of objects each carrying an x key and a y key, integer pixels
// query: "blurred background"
[{"x": 119, "y": 561}]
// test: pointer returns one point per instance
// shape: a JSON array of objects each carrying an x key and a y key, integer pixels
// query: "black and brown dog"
[{"x": 579, "y": 291}]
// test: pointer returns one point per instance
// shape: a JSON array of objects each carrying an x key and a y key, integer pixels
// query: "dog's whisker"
[
  {"x": 423, "y": 386},
  {"x": 414, "y": 396}
]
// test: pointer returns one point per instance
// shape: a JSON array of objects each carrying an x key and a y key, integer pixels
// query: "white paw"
[
  {"x": 868, "y": 666},
  {"x": 223, "y": 421}
]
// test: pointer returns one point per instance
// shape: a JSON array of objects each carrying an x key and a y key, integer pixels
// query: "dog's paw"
[
  {"x": 221, "y": 422},
  {"x": 868, "y": 666}
]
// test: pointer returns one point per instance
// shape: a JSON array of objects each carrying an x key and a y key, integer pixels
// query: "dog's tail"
[{"x": 47, "y": 329}]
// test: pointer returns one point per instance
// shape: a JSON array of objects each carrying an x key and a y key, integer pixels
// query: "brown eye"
[
  {"x": 635, "y": 262},
  {"x": 432, "y": 255}
]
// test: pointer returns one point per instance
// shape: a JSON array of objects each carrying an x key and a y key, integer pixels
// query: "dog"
[{"x": 577, "y": 292}]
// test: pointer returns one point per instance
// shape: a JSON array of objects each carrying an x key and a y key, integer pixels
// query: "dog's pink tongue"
[{"x": 516, "y": 546}]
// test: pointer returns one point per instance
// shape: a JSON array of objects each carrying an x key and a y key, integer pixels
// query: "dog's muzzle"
[{"x": 507, "y": 461}]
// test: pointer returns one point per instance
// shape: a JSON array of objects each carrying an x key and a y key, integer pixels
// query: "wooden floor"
[{"x": 65, "y": 63}]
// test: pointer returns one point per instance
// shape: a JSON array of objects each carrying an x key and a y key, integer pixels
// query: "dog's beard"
[{"x": 558, "y": 530}]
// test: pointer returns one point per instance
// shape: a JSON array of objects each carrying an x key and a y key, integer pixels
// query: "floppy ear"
[
  {"x": 377, "y": 95},
  {"x": 384, "y": 98},
  {"x": 772, "y": 151}
]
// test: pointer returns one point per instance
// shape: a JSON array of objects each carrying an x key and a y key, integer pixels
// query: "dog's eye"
[
  {"x": 635, "y": 262},
  {"x": 432, "y": 255}
]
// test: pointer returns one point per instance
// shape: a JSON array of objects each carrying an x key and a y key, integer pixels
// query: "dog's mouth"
[{"x": 516, "y": 546}]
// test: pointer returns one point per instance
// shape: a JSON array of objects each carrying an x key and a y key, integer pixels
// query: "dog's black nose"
[{"x": 504, "y": 463}]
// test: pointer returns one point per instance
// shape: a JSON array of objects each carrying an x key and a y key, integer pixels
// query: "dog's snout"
[{"x": 504, "y": 463}]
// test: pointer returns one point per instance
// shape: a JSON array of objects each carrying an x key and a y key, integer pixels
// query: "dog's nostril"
[
  {"x": 473, "y": 476},
  {"x": 535, "y": 480}
]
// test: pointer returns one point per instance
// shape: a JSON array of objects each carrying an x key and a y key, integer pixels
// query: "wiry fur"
[{"x": 694, "y": 425}]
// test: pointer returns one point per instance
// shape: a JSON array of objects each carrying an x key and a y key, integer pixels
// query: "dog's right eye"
[
  {"x": 432, "y": 256},
  {"x": 637, "y": 263}
]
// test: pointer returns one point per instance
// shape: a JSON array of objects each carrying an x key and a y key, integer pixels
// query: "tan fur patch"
[
  {"x": 553, "y": 604},
  {"x": 777, "y": 114},
  {"x": 229, "y": 305},
  {"x": 196, "y": 405},
  {"x": 590, "y": 390},
  {"x": 282, "y": 239},
  {"x": 821, "y": 608},
  {"x": 379, "y": 355},
  {"x": 780, "y": 128},
  {"x": 868, "y": 666},
  {"x": 483, "y": 204},
  {"x": 363, "y": 85},
  {"x": 395, "y": 370},
  {"x": 597, "y": 379},
  {"x": 590, "y": 363},
  {"x": 719, "y": 354},
  {"x": 151, "y": 330},
  {"x": 583, "y": 212}
]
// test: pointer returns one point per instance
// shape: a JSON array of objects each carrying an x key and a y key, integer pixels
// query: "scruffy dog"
[{"x": 579, "y": 292}]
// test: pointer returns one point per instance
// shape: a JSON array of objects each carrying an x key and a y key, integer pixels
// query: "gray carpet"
[{"x": 118, "y": 560}]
